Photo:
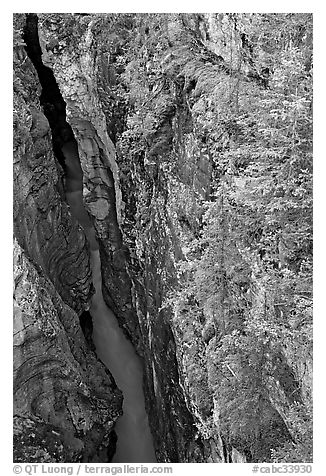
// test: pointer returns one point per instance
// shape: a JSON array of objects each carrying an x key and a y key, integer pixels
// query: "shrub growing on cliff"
[
  {"x": 251, "y": 270},
  {"x": 241, "y": 96}
]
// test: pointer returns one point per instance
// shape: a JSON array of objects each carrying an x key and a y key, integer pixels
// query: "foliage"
[
  {"x": 250, "y": 272},
  {"x": 242, "y": 93},
  {"x": 299, "y": 450}
]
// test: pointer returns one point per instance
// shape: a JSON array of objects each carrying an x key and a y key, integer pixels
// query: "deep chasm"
[{"x": 162, "y": 237}]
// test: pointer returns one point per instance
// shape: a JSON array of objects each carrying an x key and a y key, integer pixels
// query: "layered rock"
[
  {"x": 144, "y": 96},
  {"x": 146, "y": 201},
  {"x": 132, "y": 286},
  {"x": 65, "y": 402},
  {"x": 42, "y": 223}
]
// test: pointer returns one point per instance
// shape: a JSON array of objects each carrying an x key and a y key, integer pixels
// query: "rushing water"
[
  {"x": 135, "y": 444},
  {"x": 117, "y": 353}
]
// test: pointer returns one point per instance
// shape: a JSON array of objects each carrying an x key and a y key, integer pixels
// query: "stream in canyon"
[
  {"x": 134, "y": 443},
  {"x": 117, "y": 353}
]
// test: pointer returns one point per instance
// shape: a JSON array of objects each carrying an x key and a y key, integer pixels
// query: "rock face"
[
  {"x": 133, "y": 284},
  {"x": 138, "y": 99},
  {"x": 65, "y": 402},
  {"x": 40, "y": 211}
]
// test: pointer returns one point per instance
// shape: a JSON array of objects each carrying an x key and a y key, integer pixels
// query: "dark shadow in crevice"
[
  {"x": 86, "y": 324},
  {"x": 65, "y": 145},
  {"x": 51, "y": 100},
  {"x": 65, "y": 149}
]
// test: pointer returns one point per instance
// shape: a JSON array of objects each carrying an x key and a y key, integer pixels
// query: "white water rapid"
[{"x": 135, "y": 444}]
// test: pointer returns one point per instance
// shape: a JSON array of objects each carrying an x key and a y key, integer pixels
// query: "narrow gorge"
[{"x": 162, "y": 238}]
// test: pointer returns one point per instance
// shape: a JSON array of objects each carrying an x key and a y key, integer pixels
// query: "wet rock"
[
  {"x": 144, "y": 141},
  {"x": 65, "y": 401},
  {"x": 131, "y": 291}
]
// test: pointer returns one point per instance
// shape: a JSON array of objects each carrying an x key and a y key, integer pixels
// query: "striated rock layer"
[
  {"x": 127, "y": 289},
  {"x": 147, "y": 98},
  {"x": 65, "y": 401}
]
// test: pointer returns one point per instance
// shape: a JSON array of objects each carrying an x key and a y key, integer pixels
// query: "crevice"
[
  {"x": 65, "y": 149},
  {"x": 64, "y": 144},
  {"x": 122, "y": 361},
  {"x": 86, "y": 324},
  {"x": 52, "y": 102},
  {"x": 227, "y": 451}
]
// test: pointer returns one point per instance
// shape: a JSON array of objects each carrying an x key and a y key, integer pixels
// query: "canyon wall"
[
  {"x": 65, "y": 401},
  {"x": 127, "y": 290},
  {"x": 146, "y": 98}
]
